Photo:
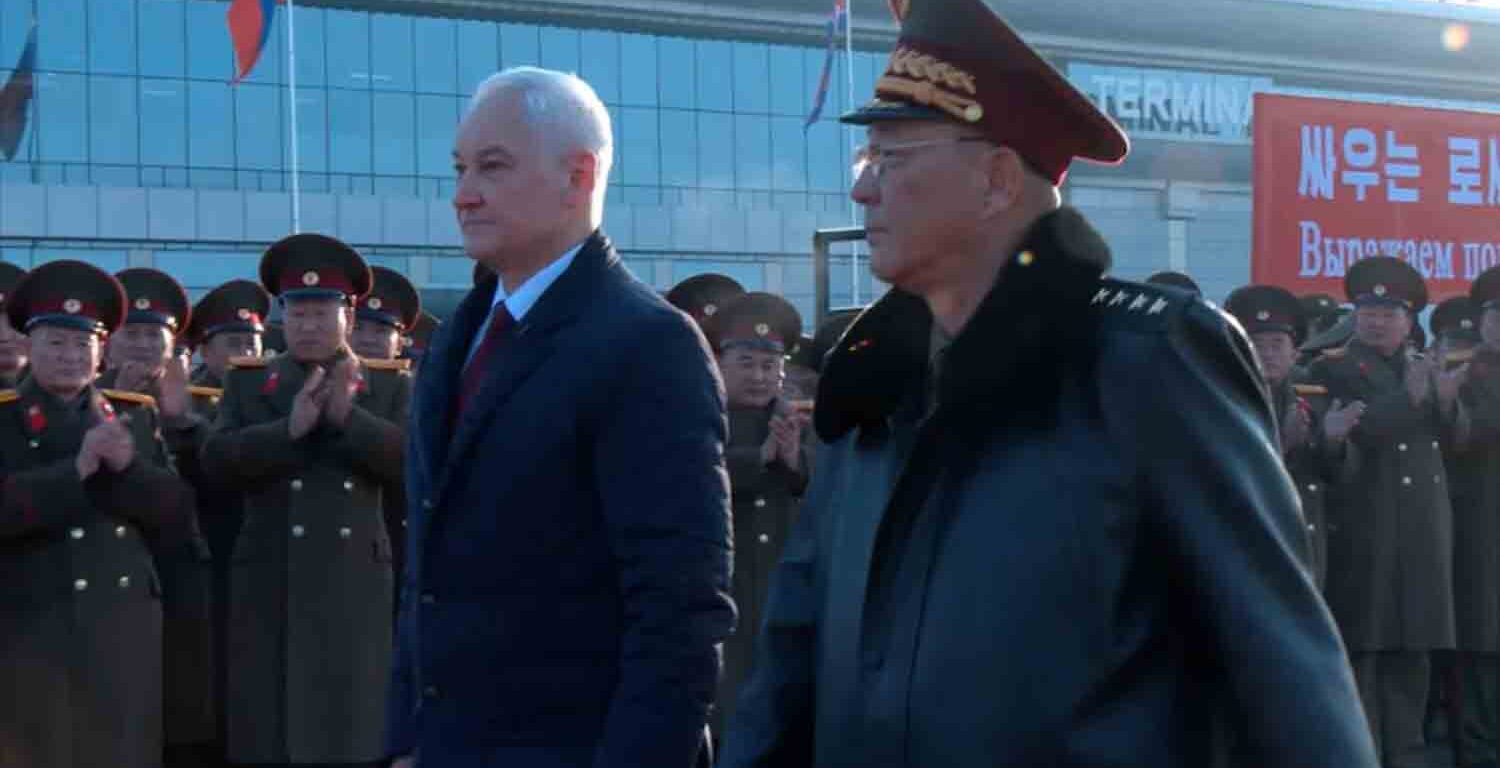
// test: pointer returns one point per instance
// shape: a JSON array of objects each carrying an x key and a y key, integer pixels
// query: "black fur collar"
[{"x": 1005, "y": 369}]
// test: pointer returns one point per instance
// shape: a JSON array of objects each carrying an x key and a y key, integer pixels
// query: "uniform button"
[
  {"x": 345, "y": 533},
  {"x": 426, "y": 503},
  {"x": 1401, "y": 447},
  {"x": 430, "y": 692},
  {"x": 429, "y": 599},
  {"x": 764, "y": 539},
  {"x": 80, "y": 585},
  {"x": 1437, "y": 478},
  {"x": 1406, "y": 481},
  {"x": 124, "y": 582},
  {"x": 759, "y": 503},
  {"x": 297, "y": 484},
  {"x": 119, "y": 531},
  {"x": 1312, "y": 487},
  {"x": 298, "y": 531},
  {"x": 75, "y": 533},
  {"x": 1312, "y": 528},
  {"x": 34, "y": 443},
  {"x": 348, "y": 485},
  {"x": 1435, "y": 444}
]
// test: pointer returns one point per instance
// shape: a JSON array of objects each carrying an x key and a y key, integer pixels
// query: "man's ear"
[
  {"x": 1006, "y": 178},
  {"x": 583, "y": 178}
]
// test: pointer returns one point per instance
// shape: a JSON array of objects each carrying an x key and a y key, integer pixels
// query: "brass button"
[
  {"x": 75, "y": 533},
  {"x": 80, "y": 585},
  {"x": 297, "y": 484},
  {"x": 1401, "y": 447},
  {"x": 1406, "y": 481},
  {"x": 348, "y": 485},
  {"x": 426, "y": 503},
  {"x": 120, "y": 531},
  {"x": 1312, "y": 487},
  {"x": 345, "y": 533},
  {"x": 298, "y": 531},
  {"x": 34, "y": 443},
  {"x": 1437, "y": 478},
  {"x": 1435, "y": 444},
  {"x": 764, "y": 539},
  {"x": 124, "y": 582},
  {"x": 759, "y": 503}
]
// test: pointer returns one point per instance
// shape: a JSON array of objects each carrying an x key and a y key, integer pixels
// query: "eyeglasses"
[{"x": 876, "y": 159}]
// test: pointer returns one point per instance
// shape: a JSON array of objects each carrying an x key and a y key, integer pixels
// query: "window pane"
[
  {"x": 311, "y": 37},
  {"x": 395, "y": 135},
  {"x": 560, "y": 49},
  {"x": 751, "y": 70},
  {"x": 112, "y": 37},
  {"x": 789, "y": 154},
  {"x": 208, "y": 269},
  {"x": 164, "y": 121},
  {"x": 679, "y": 148},
  {"x": 160, "y": 28},
  {"x": 826, "y": 170},
  {"x": 60, "y": 111},
  {"x": 391, "y": 38},
  {"x": 210, "y": 125},
  {"x": 60, "y": 35},
  {"x": 15, "y": 27},
  {"x": 349, "y": 131},
  {"x": 437, "y": 118},
  {"x": 715, "y": 75},
  {"x": 638, "y": 54},
  {"x": 640, "y": 151},
  {"x": 601, "y": 64},
  {"x": 348, "y": 49},
  {"x": 312, "y": 133},
  {"x": 867, "y": 66},
  {"x": 789, "y": 85},
  {"x": 478, "y": 54},
  {"x": 109, "y": 261},
  {"x": 753, "y": 152},
  {"x": 112, "y": 121},
  {"x": 258, "y": 126},
  {"x": 518, "y": 45},
  {"x": 210, "y": 53},
  {"x": 716, "y": 150},
  {"x": 436, "y": 58},
  {"x": 675, "y": 68}
]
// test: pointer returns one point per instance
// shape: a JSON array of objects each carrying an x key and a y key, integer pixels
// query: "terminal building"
[{"x": 140, "y": 151}]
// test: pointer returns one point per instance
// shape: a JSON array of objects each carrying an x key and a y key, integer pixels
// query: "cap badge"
[
  {"x": 407, "y": 341},
  {"x": 1263, "y": 316},
  {"x": 72, "y": 306},
  {"x": 374, "y": 303},
  {"x": 310, "y": 278},
  {"x": 761, "y": 329},
  {"x": 709, "y": 310},
  {"x": 243, "y": 314},
  {"x": 143, "y": 303},
  {"x": 1380, "y": 290},
  {"x": 1466, "y": 324}
]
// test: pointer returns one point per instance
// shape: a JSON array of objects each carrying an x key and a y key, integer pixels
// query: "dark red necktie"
[{"x": 474, "y": 371}]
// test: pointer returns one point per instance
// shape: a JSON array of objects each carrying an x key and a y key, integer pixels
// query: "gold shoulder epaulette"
[
  {"x": 206, "y": 391},
  {"x": 1458, "y": 357},
  {"x": 388, "y": 365},
  {"x": 129, "y": 397},
  {"x": 1308, "y": 390},
  {"x": 1335, "y": 354},
  {"x": 248, "y": 362},
  {"x": 9, "y": 396}
]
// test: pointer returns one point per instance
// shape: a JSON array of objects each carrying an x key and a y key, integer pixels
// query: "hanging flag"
[
  {"x": 249, "y": 29},
  {"x": 15, "y": 99},
  {"x": 836, "y": 22}
]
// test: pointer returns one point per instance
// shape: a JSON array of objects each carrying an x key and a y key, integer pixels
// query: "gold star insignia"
[{"x": 310, "y": 278}]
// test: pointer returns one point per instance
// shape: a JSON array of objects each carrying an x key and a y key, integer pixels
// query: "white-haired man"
[{"x": 568, "y": 552}]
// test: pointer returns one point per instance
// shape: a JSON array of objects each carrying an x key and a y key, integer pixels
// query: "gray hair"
[{"x": 563, "y": 110}]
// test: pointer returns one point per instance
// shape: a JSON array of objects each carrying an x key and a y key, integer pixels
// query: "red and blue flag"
[
  {"x": 836, "y": 24},
  {"x": 15, "y": 99},
  {"x": 249, "y": 29}
]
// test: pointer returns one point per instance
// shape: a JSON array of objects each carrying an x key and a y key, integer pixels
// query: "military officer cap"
[
  {"x": 154, "y": 297},
  {"x": 236, "y": 306},
  {"x": 702, "y": 296},
  {"x": 313, "y": 266},
  {"x": 1485, "y": 292},
  {"x": 1317, "y": 306},
  {"x": 1267, "y": 308},
  {"x": 956, "y": 60},
  {"x": 760, "y": 321},
  {"x": 1383, "y": 280},
  {"x": 69, "y": 294},
  {"x": 1175, "y": 280},
  {"x": 416, "y": 340},
  {"x": 1457, "y": 318},
  {"x": 392, "y": 300},
  {"x": 10, "y": 275}
]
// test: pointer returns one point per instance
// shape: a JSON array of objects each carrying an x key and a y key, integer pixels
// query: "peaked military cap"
[
  {"x": 10, "y": 275},
  {"x": 760, "y": 321},
  {"x": 70, "y": 294},
  {"x": 1267, "y": 308},
  {"x": 1175, "y": 280},
  {"x": 392, "y": 300},
  {"x": 1456, "y": 318},
  {"x": 154, "y": 297},
  {"x": 957, "y": 60},
  {"x": 313, "y": 266},
  {"x": 415, "y": 342},
  {"x": 702, "y": 296},
  {"x": 1485, "y": 292},
  {"x": 236, "y": 306},
  {"x": 1385, "y": 280}
]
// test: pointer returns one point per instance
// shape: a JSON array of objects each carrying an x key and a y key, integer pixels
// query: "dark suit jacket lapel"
[
  {"x": 438, "y": 379},
  {"x": 528, "y": 346}
]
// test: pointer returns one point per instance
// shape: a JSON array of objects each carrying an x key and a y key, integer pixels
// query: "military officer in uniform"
[
  {"x": 311, "y": 439},
  {"x": 1455, "y": 330},
  {"x": 1390, "y": 523},
  {"x": 1274, "y": 319},
  {"x": 13, "y": 345},
  {"x": 87, "y": 495},
  {"x": 1320, "y": 310},
  {"x": 227, "y": 322},
  {"x": 384, "y": 315},
  {"x": 702, "y": 296},
  {"x": 768, "y": 459}
]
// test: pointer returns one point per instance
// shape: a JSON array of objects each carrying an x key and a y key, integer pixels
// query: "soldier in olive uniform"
[
  {"x": 228, "y": 322},
  {"x": 13, "y": 344},
  {"x": 702, "y": 296},
  {"x": 87, "y": 495},
  {"x": 1474, "y": 466},
  {"x": 768, "y": 460},
  {"x": 1390, "y": 532},
  {"x": 1274, "y": 319},
  {"x": 1455, "y": 330},
  {"x": 311, "y": 439}
]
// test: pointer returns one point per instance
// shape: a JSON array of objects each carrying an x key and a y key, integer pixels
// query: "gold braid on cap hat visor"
[{"x": 931, "y": 82}]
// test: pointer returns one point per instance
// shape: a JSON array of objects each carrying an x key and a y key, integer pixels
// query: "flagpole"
[
  {"x": 291, "y": 84},
  {"x": 849, "y": 107}
]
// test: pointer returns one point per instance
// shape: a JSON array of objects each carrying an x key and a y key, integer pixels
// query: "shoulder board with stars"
[
  {"x": 9, "y": 396},
  {"x": 1309, "y": 390},
  {"x": 387, "y": 365},
  {"x": 1134, "y": 301},
  {"x": 197, "y": 391},
  {"x": 129, "y": 397},
  {"x": 248, "y": 362},
  {"x": 1335, "y": 354}
]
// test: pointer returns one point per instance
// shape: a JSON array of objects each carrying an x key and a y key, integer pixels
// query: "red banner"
[{"x": 1339, "y": 181}]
